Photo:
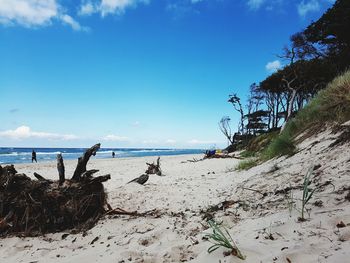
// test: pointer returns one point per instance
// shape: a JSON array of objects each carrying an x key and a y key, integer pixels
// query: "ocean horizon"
[{"x": 12, "y": 155}]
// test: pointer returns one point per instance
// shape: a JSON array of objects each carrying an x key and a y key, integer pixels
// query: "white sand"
[{"x": 189, "y": 188}]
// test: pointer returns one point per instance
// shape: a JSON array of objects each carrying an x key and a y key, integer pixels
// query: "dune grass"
[
  {"x": 282, "y": 145},
  {"x": 222, "y": 238},
  {"x": 307, "y": 192},
  {"x": 260, "y": 142},
  {"x": 246, "y": 164},
  {"x": 331, "y": 105},
  {"x": 247, "y": 154}
]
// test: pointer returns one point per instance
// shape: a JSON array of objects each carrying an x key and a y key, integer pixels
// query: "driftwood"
[
  {"x": 140, "y": 180},
  {"x": 34, "y": 207},
  {"x": 119, "y": 211},
  {"x": 60, "y": 168},
  {"x": 82, "y": 161},
  {"x": 208, "y": 213},
  {"x": 41, "y": 178},
  {"x": 154, "y": 168},
  {"x": 222, "y": 156}
]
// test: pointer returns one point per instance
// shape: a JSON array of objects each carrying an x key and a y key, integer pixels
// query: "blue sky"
[{"x": 135, "y": 73}]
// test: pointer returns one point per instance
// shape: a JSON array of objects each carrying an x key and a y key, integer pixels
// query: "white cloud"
[
  {"x": 305, "y": 7},
  {"x": 195, "y": 141},
  {"x": 74, "y": 24},
  {"x": 273, "y": 66},
  {"x": 28, "y": 12},
  {"x": 25, "y": 132},
  {"x": 106, "y": 7},
  {"x": 170, "y": 141},
  {"x": 34, "y": 13},
  {"x": 115, "y": 138},
  {"x": 87, "y": 8},
  {"x": 255, "y": 4}
]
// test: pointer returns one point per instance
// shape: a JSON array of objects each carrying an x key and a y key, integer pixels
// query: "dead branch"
[
  {"x": 41, "y": 178},
  {"x": 154, "y": 168},
  {"x": 257, "y": 191},
  {"x": 119, "y": 211},
  {"x": 60, "y": 168},
  {"x": 82, "y": 161}
]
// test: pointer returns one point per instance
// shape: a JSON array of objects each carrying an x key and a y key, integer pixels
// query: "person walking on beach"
[
  {"x": 34, "y": 156},
  {"x": 113, "y": 154}
]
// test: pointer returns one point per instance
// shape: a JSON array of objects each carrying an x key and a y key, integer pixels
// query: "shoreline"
[{"x": 44, "y": 157}]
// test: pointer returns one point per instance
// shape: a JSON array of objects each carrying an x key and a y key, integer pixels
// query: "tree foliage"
[{"x": 313, "y": 58}]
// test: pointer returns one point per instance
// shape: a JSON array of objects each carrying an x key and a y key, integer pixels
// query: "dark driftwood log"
[
  {"x": 60, "y": 168},
  {"x": 140, "y": 180},
  {"x": 34, "y": 207},
  {"x": 41, "y": 178},
  {"x": 154, "y": 168},
  {"x": 99, "y": 179},
  {"x": 82, "y": 161},
  {"x": 89, "y": 173}
]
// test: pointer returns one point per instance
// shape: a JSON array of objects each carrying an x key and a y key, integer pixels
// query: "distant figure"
[
  {"x": 140, "y": 180},
  {"x": 34, "y": 156},
  {"x": 113, "y": 154}
]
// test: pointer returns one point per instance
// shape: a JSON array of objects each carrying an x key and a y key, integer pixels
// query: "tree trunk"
[{"x": 291, "y": 104}]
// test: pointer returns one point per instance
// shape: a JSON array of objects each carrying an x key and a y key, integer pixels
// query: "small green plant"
[
  {"x": 221, "y": 238},
  {"x": 290, "y": 201},
  {"x": 307, "y": 192},
  {"x": 246, "y": 164}
]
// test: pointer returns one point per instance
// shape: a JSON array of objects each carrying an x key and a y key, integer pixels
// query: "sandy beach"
[{"x": 256, "y": 214}]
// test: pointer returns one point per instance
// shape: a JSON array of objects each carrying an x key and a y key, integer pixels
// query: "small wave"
[{"x": 10, "y": 154}]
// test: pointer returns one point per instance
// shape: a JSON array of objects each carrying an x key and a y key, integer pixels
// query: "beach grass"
[
  {"x": 247, "y": 164},
  {"x": 330, "y": 106},
  {"x": 222, "y": 238}
]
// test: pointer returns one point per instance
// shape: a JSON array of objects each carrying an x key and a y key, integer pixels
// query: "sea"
[{"x": 24, "y": 155}]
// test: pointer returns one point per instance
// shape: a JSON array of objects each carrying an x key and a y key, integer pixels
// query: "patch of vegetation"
[
  {"x": 222, "y": 238},
  {"x": 247, "y": 164},
  {"x": 282, "y": 145},
  {"x": 331, "y": 105},
  {"x": 247, "y": 154},
  {"x": 260, "y": 142}
]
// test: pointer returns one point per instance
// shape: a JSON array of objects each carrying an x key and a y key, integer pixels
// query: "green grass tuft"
[
  {"x": 222, "y": 238},
  {"x": 282, "y": 145},
  {"x": 247, "y": 164},
  {"x": 247, "y": 154}
]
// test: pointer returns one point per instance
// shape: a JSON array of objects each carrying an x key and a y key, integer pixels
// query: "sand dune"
[{"x": 260, "y": 222}]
